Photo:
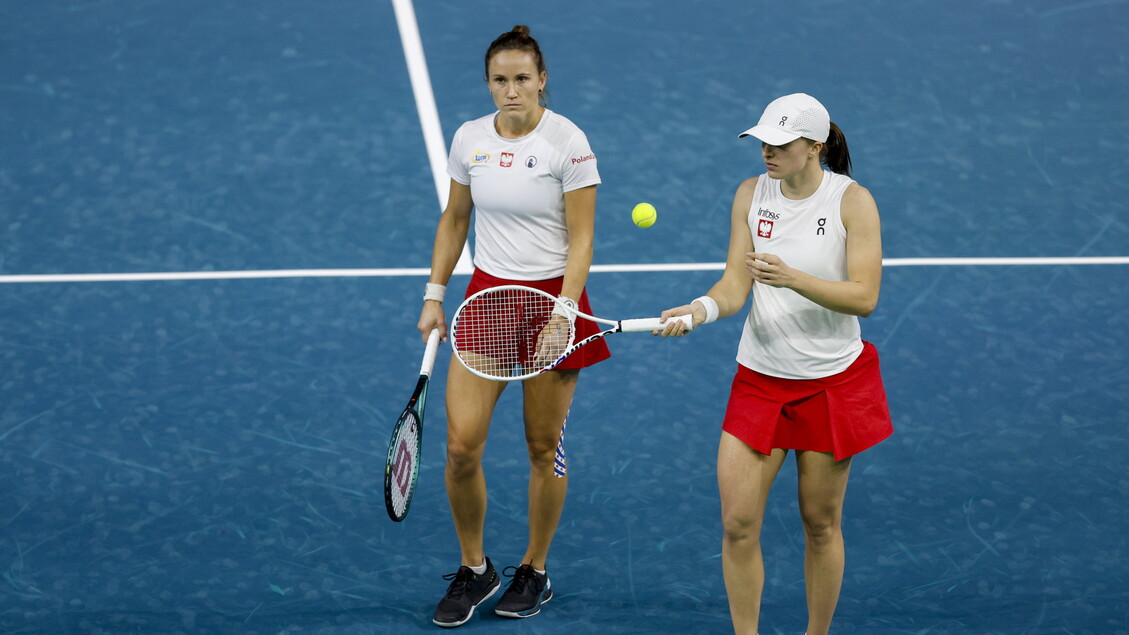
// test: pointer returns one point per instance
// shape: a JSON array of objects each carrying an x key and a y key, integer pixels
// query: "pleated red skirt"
[{"x": 844, "y": 414}]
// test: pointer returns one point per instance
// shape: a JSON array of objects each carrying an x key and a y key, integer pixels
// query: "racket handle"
[
  {"x": 654, "y": 324},
  {"x": 430, "y": 352}
]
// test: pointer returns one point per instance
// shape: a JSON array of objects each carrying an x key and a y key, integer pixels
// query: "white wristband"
[
  {"x": 566, "y": 308},
  {"x": 435, "y": 292},
  {"x": 711, "y": 308}
]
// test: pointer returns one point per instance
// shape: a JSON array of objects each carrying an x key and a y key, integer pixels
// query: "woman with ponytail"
[
  {"x": 806, "y": 243},
  {"x": 526, "y": 176}
]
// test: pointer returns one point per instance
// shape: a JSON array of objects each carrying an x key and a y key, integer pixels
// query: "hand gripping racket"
[
  {"x": 510, "y": 332},
  {"x": 402, "y": 468}
]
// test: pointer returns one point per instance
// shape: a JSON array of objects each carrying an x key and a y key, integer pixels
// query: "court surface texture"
[{"x": 195, "y": 441}]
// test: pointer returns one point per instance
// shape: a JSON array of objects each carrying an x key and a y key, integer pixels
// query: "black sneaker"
[
  {"x": 528, "y": 590},
  {"x": 468, "y": 589}
]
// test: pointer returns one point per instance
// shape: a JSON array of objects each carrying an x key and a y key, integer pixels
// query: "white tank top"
[
  {"x": 787, "y": 335},
  {"x": 518, "y": 187}
]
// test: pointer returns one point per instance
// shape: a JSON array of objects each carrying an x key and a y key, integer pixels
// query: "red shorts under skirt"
[
  {"x": 845, "y": 413},
  {"x": 585, "y": 356}
]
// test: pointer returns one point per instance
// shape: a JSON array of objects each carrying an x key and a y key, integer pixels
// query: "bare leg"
[
  {"x": 745, "y": 477},
  {"x": 470, "y": 404},
  {"x": 547, "y": 400},
  {"x": 823, "y": 488}
]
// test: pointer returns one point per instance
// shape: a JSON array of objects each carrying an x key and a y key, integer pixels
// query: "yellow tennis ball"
[{"x": 644, "y": 215}]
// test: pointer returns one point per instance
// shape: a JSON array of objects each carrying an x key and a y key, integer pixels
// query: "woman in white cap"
[{"x": 806, "y": 241}]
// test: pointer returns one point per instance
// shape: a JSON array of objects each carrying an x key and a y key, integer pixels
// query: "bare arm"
[
  {"x": 580, "y": 222},
  {"x": 450, "y": 237},
  {"x": 858, "y": 295},
  {"x": 731, "y": 292},
  {"x": 580, "y": 219}
]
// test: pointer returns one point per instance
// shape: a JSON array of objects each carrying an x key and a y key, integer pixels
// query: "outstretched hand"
[{"x": 675, "y": 328}]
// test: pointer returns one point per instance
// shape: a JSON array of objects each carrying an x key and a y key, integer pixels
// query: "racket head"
[
  {"x": 401, "y": 470},
  {"x": 500, "y": 333}
]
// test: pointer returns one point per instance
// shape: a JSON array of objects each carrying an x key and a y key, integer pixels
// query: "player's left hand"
[
  {"x": 770, "y": 269},
  {"x": 552, "y": 340}
]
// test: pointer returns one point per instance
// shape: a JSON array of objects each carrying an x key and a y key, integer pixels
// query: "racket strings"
[
  {"x": 405, "y": 463},
  {"x": 508, "y": 332}
]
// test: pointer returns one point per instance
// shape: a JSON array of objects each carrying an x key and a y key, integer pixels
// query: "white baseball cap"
[{"x": 790, "y": 117}]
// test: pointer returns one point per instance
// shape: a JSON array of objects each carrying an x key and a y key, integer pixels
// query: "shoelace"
[
  {"x": 521, "y": 576},
  {"x": 461, "y": 578}
]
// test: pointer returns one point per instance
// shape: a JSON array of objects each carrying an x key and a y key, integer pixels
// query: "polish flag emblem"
[{"x": 764, "y": 229}]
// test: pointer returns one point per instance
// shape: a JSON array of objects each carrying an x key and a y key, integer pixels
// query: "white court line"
[
  {"x": 215, "y": 275},
  {"x": 428, "y": 113},
  {"x": 423, "y": 272},
  {"x": 995, "y": 262}
]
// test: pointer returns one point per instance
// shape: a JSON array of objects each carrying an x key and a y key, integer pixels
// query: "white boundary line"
[
  {"x": 216, "y": 275},
  {"x": 428, "y": 113},
  {"x": 996, "y": 262},
  {"x": 423, "y": 272}
]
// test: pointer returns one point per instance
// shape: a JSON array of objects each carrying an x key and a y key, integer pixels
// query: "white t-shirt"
[
  {"x": 786, "y": 335},
  {"x": 518, "y": 187}
]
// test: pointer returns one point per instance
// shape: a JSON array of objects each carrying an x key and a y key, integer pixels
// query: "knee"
[
  {"x": 541, "y": 453},
  {"x": 740, "y": 529},
  {"x": 462, "y": 460},
  {"x": 822, "y": 530}
]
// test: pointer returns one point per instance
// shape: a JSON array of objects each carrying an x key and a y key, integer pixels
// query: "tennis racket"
[
  {"x": 510, "y": 332},
  {"x": 402, "y": 468}
]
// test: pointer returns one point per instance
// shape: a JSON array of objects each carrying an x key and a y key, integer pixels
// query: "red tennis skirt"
[
  {"x": 844, "y": 414},
  {"x": 585, "y": 356}
]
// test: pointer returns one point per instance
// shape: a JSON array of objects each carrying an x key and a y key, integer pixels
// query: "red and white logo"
[
  {"x": 507, "y": 160},
  {"x": 764, "y": 228}
]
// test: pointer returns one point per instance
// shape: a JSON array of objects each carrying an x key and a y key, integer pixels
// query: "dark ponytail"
[
  {"x": 518, "y": 39},
  {"x": 835, "y": 154}
]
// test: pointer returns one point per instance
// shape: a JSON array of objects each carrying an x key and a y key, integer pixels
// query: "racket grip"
[
  {"x": 430, "y": 352},
  {"x": 654, "y": 324}
]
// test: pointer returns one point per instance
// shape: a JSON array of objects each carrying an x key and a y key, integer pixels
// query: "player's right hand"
[
  {"x": 432, "y": 317},
  {"x": 675, "y": 328}
]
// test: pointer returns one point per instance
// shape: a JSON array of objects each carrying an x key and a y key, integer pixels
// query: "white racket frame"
[{"x": 636, "y": 325}]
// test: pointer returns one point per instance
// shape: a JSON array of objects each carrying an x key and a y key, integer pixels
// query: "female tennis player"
[
  {"x": 806, "y": 242},
  {"x": 529, "y": 176}
]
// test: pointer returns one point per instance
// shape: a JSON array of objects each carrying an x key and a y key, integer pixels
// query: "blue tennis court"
[{"x": 206, "y": 455}]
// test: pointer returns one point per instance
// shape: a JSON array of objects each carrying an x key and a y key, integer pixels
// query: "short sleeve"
[
  {"x": 456, "y": 160},
  {"x": 580, "y": 164}
]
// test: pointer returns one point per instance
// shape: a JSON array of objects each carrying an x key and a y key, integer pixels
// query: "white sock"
[{"x": 480, "y": 569}]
